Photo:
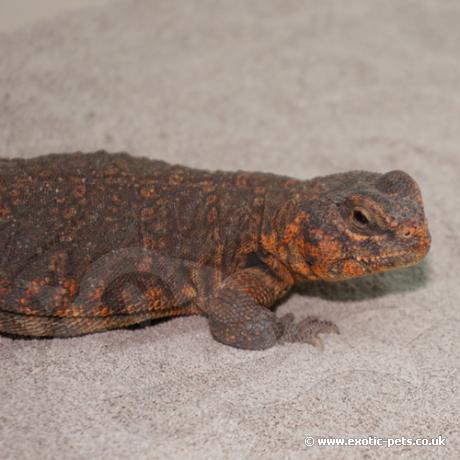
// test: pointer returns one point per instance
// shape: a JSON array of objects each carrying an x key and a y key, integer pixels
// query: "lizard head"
[{"x": 359, "y": 224}]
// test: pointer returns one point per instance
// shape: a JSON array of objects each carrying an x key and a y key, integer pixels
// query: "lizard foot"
[
  {"x": 306, "y": 330},
  {"x": 258, "y": 330}
]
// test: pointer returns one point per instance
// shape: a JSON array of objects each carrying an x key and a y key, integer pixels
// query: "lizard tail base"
[{"x": 48, "y": 326}]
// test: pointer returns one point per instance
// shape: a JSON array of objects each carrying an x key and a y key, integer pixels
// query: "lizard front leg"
[{"x": 238, "y": 313}]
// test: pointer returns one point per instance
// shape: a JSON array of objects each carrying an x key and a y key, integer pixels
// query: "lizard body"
[{"x": 90, "y": 242}]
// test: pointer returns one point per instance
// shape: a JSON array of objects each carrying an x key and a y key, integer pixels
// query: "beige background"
[
  {"x": 19, "y": 13},
  {"x": 294, "y": 87}
]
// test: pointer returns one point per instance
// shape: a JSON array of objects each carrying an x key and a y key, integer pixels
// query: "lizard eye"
[{"x": 360, "y": 217}]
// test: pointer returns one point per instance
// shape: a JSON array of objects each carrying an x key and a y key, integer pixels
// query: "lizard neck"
[{"x": 282, "y": 238}]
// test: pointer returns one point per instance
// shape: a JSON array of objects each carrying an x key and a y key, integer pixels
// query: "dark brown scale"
[
  {"x": 70, "y": 222},
  {"x": 90, "y": 242}
]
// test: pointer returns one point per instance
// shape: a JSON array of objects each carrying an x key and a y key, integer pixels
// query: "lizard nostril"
[{"x": 408, "y": 233}]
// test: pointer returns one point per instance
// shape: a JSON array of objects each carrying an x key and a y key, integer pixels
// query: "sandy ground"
[
  {"x": 15, "y": 14},
  {"x": 297, "y": 88}
]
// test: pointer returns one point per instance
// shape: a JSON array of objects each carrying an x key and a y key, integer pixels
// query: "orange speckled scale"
[{"x": 91, "y": 242}]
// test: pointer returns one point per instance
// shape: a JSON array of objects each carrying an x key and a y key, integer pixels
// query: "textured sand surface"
[{"x": 297, "y": 88}]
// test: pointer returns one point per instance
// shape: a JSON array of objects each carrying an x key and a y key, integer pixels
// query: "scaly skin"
[{"x": 91, "y": 242}]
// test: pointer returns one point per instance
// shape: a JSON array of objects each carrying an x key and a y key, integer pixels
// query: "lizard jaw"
[
  {"x": 379, "y": 263},
  {"x": 355, "y": 266},
  {"x": 401, "y": 257}
]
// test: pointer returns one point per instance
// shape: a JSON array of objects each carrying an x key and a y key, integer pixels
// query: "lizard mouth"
[
  {"x": 362, "y": 265},
  {"x": 398, "y": 259}
]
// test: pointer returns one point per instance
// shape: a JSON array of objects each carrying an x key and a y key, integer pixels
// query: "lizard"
[{"x": 96, "y": 241}]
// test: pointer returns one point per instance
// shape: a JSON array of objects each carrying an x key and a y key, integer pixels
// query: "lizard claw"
[{"x": 306, "y": 330}]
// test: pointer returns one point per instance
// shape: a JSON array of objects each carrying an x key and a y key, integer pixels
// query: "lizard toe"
[{"x": 307, "y": 331}]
